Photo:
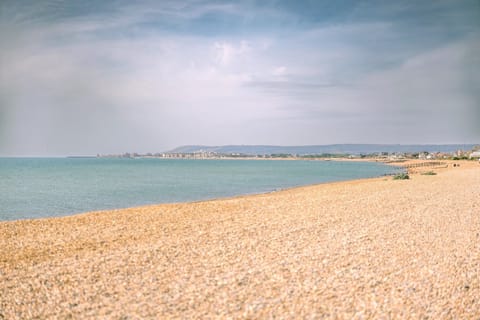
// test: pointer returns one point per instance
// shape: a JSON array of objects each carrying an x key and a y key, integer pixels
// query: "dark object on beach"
[{"x": 401, "y": 176}]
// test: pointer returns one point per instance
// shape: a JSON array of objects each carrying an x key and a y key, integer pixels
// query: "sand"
[{"x": 375, "y": 248}]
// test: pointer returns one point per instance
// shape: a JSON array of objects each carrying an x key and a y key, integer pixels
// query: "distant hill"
[{"x": 319, "y": 149}]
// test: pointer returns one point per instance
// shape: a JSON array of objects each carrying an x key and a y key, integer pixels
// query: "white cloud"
[
  {"x": 226, "y": 53},
  {"x": 279, "y": 71}
]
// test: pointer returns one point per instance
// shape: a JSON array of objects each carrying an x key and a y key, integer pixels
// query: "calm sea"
[{"x": 39, "y": 187}]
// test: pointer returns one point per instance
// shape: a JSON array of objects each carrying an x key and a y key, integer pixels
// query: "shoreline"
[
  {"x": 393, "y": 164},
  {"x": 360, "y": 248},
  {"x": 239, "y": 196},
  {"x": 233, "y": 197},
  {"x": 248, "y": 194}
]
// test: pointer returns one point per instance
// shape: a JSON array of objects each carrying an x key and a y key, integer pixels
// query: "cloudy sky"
[{"x": 88, "y": 77}]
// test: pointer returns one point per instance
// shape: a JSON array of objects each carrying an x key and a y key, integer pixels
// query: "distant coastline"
[{"x": 385, "y": 152}]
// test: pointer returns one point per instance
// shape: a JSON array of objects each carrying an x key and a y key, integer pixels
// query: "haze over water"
[{"x": 47, "y": 187}]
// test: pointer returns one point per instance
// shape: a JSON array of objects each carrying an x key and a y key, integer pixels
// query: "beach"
[{"x": 372, "y": 248}]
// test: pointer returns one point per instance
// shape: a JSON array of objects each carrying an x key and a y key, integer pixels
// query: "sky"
[{"x": 90, "y": 77}]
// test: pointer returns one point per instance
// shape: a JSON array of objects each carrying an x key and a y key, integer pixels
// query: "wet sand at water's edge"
[{"x": 375, "y": 248}]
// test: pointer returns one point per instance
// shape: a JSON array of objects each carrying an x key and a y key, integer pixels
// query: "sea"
[{"x": 52, "y": 187}]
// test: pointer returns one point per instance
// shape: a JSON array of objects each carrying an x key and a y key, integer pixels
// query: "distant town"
[{"x": 461, "y": 154}]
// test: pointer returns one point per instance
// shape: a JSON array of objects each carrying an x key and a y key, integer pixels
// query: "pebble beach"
[{"x": 374, "y": 248}]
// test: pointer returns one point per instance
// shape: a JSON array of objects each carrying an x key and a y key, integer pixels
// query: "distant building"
[{"x": 475, "y": 155}]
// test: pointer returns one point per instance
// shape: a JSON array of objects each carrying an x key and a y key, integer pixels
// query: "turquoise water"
[{"x": 39, "y": 187}]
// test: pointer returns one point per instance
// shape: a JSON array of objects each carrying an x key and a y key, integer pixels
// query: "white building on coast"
[{"x": 475, "y": 155}]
